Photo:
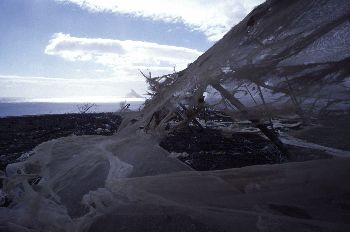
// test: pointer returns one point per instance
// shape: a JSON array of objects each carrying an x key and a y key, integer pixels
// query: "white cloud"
[
  {"x": 212, "y": 17},
  {"x": 123, "y": 57}
]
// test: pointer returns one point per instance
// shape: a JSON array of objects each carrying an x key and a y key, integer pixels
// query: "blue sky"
[{"x": 78, "y": 48}]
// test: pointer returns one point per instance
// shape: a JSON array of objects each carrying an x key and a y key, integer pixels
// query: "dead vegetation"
[{"x": 255, "y": 58}]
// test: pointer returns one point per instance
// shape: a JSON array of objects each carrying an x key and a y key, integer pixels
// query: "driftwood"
[
  {"x": 191, "y": 115},
  {"x": 269, "y": 133}
]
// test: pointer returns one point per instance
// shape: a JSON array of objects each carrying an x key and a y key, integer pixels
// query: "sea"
[{"x": 22, "y": 107}]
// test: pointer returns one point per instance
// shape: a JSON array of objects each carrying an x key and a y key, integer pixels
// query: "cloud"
[
  {"x": 213, "y": 18},
  {"x": 123, "y": 57}
]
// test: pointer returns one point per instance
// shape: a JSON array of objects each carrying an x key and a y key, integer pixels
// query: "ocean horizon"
[{"x": 26, "y": 107}]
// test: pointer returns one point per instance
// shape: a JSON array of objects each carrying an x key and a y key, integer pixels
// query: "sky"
[{"x": 95, "y": 48}]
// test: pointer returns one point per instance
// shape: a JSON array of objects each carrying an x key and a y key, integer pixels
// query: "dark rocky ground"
[
  {"x": 21, "y": 134},
  {"x": 205, "y": 149},
  {"x": 209, "y": 149}
]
